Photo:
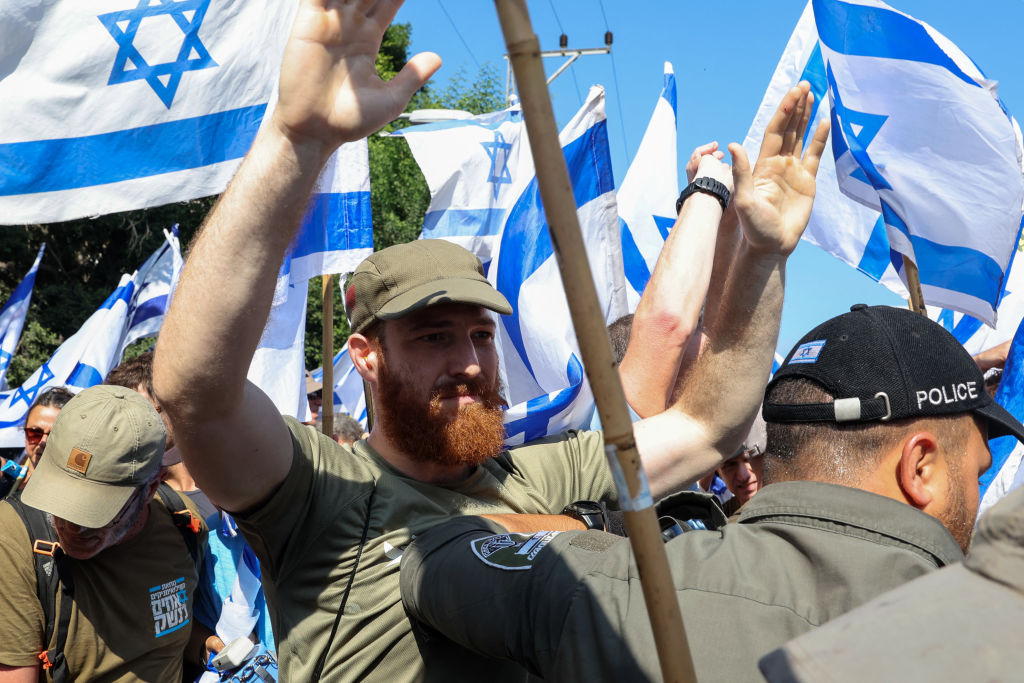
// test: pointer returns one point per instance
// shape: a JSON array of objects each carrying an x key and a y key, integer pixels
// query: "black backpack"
[{"x": 53, "y": 572}]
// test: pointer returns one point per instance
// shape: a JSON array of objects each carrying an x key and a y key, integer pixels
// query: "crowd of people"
[{"x": 171, "y": 525}]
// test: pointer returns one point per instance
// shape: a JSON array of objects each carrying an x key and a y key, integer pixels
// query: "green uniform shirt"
[
  {"x": 802, "y": 553},
  {"x": 132, "y": 613},
  {"x": 307, "y": 536}
]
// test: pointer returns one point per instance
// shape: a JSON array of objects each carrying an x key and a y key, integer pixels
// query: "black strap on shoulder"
[
  {"x": 348, "y": 587},
  {"x": 187, "y": 523},
  {"x": 53, "y": 573}
]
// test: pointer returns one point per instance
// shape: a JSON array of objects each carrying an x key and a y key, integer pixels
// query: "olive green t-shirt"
[
  {"x": 307, "y": 537},
  {"x": 132, "y": 615}
]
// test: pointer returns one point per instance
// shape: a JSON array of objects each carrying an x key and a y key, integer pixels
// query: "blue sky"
[{"x": 724, "y": 53}]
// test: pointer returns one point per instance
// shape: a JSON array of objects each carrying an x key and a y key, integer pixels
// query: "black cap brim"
[{"x": 1000, "y": 421}]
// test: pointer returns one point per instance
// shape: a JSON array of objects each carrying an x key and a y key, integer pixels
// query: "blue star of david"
[
  {"x": 498, "y": 151},
  {"x": 856, "y": 142},
  {"x": 130, "y": 65},
  {"x": 29, "y": 395},
  {"x": 5, "y": 358}
]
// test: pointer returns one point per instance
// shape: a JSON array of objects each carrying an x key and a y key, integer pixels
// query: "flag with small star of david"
[
  {"x": 112, "y": 105},
  {"x": 910, "y": 113},
  {"x": 80, "y": 362},
  {"x": 647, "y": 195},
  {"x": 12, "y": 316}
]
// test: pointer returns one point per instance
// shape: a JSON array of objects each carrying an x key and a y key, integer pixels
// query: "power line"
[
  {"x": 615, "y": 78},
  {"x": 579, "y": 96},
  {"x": 456, "y": 29}
]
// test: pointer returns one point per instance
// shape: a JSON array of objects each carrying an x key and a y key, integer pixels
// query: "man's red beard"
[{"x": 422, "y": 431}]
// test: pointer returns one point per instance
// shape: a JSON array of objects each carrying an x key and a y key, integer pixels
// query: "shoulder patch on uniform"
[
  {"x": 809, "y": 352},
  {"x": 511, "y": 551}
]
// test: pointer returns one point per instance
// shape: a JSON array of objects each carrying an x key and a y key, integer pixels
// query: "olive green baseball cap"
[
  {"x": 396, "y": 281},
  {"x": 105, "y": 443}
]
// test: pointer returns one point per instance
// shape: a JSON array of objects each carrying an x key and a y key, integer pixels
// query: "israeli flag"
[
  {"x": 647, "y": 195},
  {"x": 12, "y": 316},
  {"x": 543, "y": 374},
  {"x": 113, "y": 105},
  {"x": 1006, "y": 472},
  {"x": 349, "y": 396},
  {"x": 80, "y": 362},
  {"x": 475, "y": 168},
  {"x": 154, "y": 281},
  {"x": 335, "y": 236},
  {"x": 909, "y": 111},
  {"x": 483, "y": 166},
  {"x": 973, "y": 333}
]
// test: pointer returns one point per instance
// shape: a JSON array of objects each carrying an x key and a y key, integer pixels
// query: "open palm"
[
  {"x": 774, "y": 201},
  {"x": 330, "y": 92}
]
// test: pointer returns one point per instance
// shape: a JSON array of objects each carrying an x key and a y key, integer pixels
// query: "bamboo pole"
[
  {"x": 914, "y": 285},
  {"x": 588, "y": 321},
  {"x": 327, "y": 390}
]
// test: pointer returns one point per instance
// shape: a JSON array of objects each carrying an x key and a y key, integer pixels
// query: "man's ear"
[
  {"x": 365, "y": 357},
  {"x": 918, "y": 471}
]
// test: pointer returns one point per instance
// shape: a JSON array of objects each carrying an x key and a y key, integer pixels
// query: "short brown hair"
[
  {"x": 134, "y": 373},
  {"x": 841, "y": 453}
]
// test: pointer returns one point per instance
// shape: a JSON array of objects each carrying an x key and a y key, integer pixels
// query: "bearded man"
[{"x": 329, "y": 522}]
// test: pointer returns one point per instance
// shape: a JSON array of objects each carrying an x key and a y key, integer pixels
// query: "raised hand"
[
  {"x": 774, "y": 201},
  {"x": 330, "y": 92},
  {"x": 709, "y": 149}
]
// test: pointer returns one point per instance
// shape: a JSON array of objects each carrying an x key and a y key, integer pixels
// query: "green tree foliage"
[{"x": 85, "y": 258}]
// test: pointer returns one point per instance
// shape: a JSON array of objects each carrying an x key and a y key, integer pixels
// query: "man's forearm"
[
  {"x": 670, "y": 307},
  {"x": 222, "y": 302},
  {"x": 727, "y": 383}
]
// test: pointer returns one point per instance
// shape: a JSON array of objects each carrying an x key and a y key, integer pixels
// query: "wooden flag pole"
[
  {"x": 588, "y": 320},
  {"x": 914, "y": 285},
  {"x": 327, "y": 390}
]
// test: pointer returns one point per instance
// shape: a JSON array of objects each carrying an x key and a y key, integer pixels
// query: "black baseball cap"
[{"x": 883, "y": 363}]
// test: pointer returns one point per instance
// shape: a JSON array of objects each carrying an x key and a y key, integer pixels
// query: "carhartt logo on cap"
[{"x": 79, "y": 460}]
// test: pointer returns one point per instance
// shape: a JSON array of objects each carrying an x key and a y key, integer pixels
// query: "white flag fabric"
[
  {"x": 647, "y": 195},
  {"x": 475, "y": 168},
  {"x": 80, "y": 362},
  {"x": 541, "y": 367},
  {"x": 909, "y": 111},
  {"x": 123, "y": 104},
  {"x": 155, "y": 280},
  {"x": 336, "y": 234},
  {"x": 12, "y": 316},
  {"x": 349, "y": 396}
]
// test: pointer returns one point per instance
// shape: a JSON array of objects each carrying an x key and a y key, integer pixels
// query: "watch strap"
[
  {"x": 706, "y": 185},
  {"x": 587, "y": 511}
]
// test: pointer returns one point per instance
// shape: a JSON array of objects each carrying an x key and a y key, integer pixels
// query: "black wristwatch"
[
  {"x": 588, "y": 512},
  {"x": 707, "y": 185}
]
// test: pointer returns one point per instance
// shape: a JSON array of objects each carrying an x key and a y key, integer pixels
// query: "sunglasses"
[
  {"x": 33, "y": 435},
  {"x": 124, "y": 511}
]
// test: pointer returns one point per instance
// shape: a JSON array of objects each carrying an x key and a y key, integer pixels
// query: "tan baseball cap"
[
  {"x": 404, "y": 278},
  {"x": 105, "y": 443}
]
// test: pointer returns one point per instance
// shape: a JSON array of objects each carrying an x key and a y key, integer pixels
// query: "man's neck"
[
  {"x": 179, "y": 479},
  {"x": 427, "y": 472}
]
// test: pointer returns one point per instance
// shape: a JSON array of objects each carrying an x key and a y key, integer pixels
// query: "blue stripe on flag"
[
  {"x": 957, "y": 268},
  {"x": 1011, "y": 396},
  {"x": 152, "y": 308},
  {"x": 866, "y": 31},
  {"x": 526, "y": 234},
  {"x": 669, "y": 91},
  {"x": 85, "y": 376},
  {"x": 348, "y": 228},
  {"x": 540, "y": 410},
  {"x": 66, "y": 163},
  {"x": 637, "y": 272},
  {"x": 462, "y": 222}
]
